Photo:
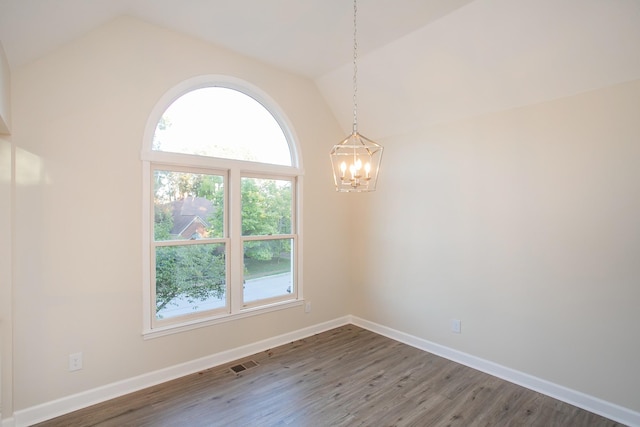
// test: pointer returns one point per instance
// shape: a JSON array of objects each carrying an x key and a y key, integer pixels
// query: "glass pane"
[
  {"x": 189, "y": 279},
  {"x": 266, "y": 207},
  {"x": 187, "y": 206},
  {"x": 222, "y": 122},
  {"x": 267, "y": 269}
]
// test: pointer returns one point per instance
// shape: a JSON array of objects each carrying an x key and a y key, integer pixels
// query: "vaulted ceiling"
[{"x": 421, "y": 61}]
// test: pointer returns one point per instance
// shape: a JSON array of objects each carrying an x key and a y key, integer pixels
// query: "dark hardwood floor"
[{"x": 343, "y": 377}]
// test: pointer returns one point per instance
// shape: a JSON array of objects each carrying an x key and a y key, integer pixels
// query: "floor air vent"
[{"x": 236, "y": 369}]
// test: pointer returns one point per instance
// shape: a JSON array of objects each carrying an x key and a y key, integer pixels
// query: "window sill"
[{"x": 201, "y": 323}]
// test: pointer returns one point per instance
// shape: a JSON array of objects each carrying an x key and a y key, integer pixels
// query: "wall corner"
[{"x": 5, "y": 93}]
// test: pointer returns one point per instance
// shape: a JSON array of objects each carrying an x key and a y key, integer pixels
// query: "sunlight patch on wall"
[{"x": 30, "y": 169}]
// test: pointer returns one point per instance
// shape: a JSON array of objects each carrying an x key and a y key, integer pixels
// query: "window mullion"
[
  {"x": 188, "y": 242},
  {"x": 235, "y": 248},
  {"x": 268, "y": 237}
]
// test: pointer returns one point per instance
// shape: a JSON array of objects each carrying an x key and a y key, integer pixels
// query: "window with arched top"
[
  {"x": 222, "y": 179},
  {"x": 222, "y": 122}
]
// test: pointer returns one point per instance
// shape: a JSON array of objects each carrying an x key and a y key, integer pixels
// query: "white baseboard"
[
  {"x": 48, "y": 410},
  {"x": 74, "y": 402},
  {"x": 573, "y": 397}
]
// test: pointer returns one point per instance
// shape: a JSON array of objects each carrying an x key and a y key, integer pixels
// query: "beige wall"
[
  {"x": 6, "y": 173},
  {"x": 525, "y": 225},
  {"x": 5, "y": 274},
  {"x": 79, "y": 118},
  {"x": 5, "y": 93}
]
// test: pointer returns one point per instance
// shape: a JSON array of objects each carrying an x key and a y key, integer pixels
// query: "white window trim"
[{"x": 236, "y": 169}]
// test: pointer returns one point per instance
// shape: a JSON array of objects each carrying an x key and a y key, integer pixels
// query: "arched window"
[
  {"x": 222, "y": 180},
  {"x": 222, "y": 122}
]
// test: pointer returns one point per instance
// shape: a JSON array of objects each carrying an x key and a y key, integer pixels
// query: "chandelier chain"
[
  {"x": 355, "y": 68},
  {"x": 355, "y": 160}
]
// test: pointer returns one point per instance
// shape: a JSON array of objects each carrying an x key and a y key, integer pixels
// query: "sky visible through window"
[{"x": 222, "y": 122}]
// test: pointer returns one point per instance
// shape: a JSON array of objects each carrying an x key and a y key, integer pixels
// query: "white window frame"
[
  {"x": 248, "y": 238},
  {"x": 233, "y": 170}
]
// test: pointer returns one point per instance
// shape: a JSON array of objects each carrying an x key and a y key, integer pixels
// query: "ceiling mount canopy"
[{"x": 356, "y": 160}]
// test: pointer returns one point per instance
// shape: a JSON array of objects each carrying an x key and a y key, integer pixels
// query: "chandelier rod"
[{"x": 355, "y": 68}]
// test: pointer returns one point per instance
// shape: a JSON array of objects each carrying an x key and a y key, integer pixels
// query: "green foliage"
[
  {"x": 196, "y": 272},
  {"x": 170, "y": 186},
  {"x": 266, "y": 211},
  {"x": 257, "y": 269},
  {"x": 163, "y": 222}
]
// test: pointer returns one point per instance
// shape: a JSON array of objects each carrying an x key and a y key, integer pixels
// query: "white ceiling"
[
  {"x": 421, "y": 61},
  {"x": 308, "y": 37},
  {"x": 490, "y": 55}
]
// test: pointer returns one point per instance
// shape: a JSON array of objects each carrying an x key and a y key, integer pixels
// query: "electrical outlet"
[
  {"x": 456, "y": 326},
  {"x": 75, "y": 362},
  {"x": 307, "y": 307}
]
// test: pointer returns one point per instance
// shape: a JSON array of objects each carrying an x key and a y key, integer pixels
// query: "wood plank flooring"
[{"x": 347, "y": 376}]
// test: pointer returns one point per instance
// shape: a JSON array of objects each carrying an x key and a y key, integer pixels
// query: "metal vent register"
[{"x": 236, "y": 369}]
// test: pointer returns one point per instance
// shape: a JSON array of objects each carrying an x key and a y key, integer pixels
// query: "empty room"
[{"x": 319, "y": 213}]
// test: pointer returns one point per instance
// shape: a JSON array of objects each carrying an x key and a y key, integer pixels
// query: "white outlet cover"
[
  {"x": 75, "y": 362},
  {"x": 456, "y": 326}
]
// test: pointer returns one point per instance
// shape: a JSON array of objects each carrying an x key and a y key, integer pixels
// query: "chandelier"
[{"x": 356, "y": 160}]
